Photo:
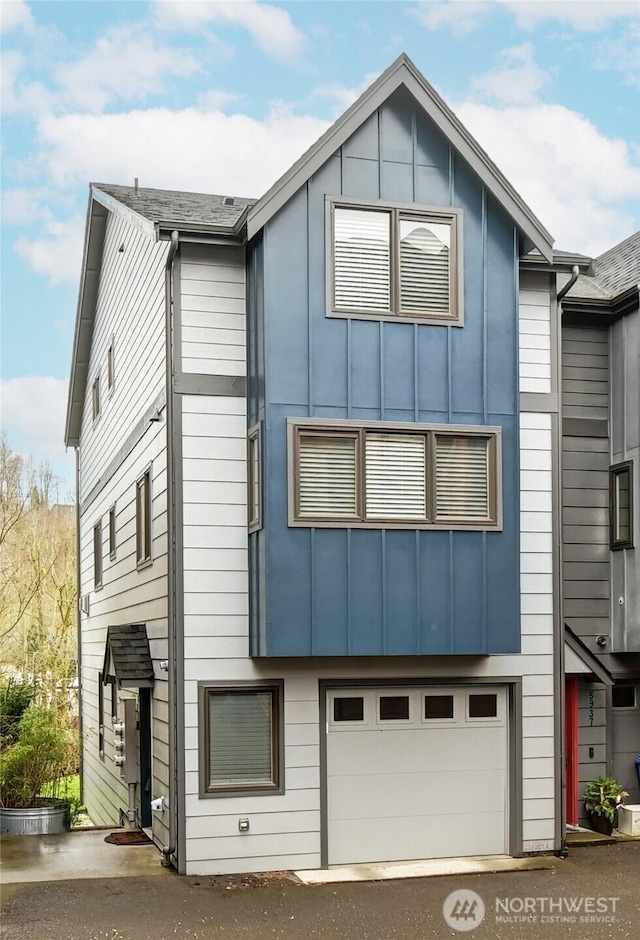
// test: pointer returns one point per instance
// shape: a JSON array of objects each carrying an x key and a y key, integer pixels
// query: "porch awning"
[
  {"x": 127, "y": 658},
  {"x": 579, "y": 660}
]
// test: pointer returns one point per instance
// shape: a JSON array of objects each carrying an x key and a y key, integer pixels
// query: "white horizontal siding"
[
  {"x": 534, "y": 322},
  {"x": 212, "y": 285}
]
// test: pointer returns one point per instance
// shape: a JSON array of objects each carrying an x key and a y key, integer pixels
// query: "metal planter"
[{"x": 34, "y": 821}]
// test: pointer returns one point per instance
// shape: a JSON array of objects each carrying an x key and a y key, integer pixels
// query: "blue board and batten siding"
[{"x": 336, "y": 592}]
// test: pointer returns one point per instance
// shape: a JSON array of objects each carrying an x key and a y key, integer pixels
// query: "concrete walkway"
[{"x": 73, "y": 855}]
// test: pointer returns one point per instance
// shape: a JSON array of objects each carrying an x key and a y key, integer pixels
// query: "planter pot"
[
  {"x": 600, "y": 824},
  {"x": 34, "y": 821}
]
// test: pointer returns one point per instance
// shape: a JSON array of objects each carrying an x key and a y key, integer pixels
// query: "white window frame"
[
  {"x": 295, "y": 425},
  {"x": 396, "y": 210},
  {"x": 144, "y": 527},
  {"x": 254, "y": 440},
  {"x": 96, "y": 399}
]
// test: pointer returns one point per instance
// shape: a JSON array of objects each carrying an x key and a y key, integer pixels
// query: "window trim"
[
  {"x": 111, "y": 367},
  {"x": 144, "y": 560},
  {"x": 276, "y": 687},
  {"x": 98, "y": 560},
  {"x": 96, "y": 402},
  {"x": 112, "y": 532},
  {"x": 254, "y": 434},
  {"x": 396, "y": 209},
  {"x": 615, "y": 470},
  {"x": 341, "y": 425}
]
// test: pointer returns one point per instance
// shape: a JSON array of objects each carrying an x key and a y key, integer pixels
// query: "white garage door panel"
[
  {"x": 413, "y": 751},
  {"x": 416, "y": 789},
  {"x": 425, "y": 794},
  {"x": 407, "y": 837}
]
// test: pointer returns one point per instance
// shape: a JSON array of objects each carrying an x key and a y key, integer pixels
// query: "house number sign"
[{"x": 591, "y": 709}]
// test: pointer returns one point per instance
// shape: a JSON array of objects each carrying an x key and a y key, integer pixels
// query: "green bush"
[
  {"x": 15, "y": 698},
  {"x": 36, "y": 762},
  {"x": 603, "y": 796}
]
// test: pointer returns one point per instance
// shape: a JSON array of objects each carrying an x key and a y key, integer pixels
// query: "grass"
[{"x": 68, "y": 788}]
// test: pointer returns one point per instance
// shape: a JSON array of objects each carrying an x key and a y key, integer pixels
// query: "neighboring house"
[
  {"x": 601, "y": 522},
  {"x": 319, "y": 442}
]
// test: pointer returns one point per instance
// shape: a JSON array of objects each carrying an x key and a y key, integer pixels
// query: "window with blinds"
[
  {"x": 241, "y": 739},
  {"x": 381, "y": 476},
  {"x": 387, "y": 261}
]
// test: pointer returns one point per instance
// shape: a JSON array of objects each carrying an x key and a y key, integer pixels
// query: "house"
[
  {"x": 318, "y": 441},
  {"x": 601, "y": 550}
]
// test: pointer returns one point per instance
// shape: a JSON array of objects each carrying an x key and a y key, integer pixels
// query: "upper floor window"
[
  {"x": 95, "y": 398},
  {"x": 254, "y": 479},
  {"x": 396, "y": 261},
  {"x": 112, "y": 533},
  {"x": 110, "y": 368},
  {"x": 143, "y": 519},
  {"x": 401, "y": 477},
  {"x": 621, "y": 505},
  {"x": 97, "y": 554}
]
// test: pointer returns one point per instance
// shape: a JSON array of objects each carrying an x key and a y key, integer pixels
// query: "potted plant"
[
  {"x": 601, "y": 798},
  {"x": 32, "y": 764}
]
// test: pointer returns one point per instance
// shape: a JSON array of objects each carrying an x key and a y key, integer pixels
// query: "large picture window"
[
  {"x": 396, "y": 261},
  {"x": 405, "y": 477},
  {"x": 621, "y": 505},
  {"x": 241, "y": 738}
]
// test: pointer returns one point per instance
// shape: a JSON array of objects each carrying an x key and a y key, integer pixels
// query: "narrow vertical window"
[
  {"x": 97, "y": 555},
  {"x": 254, "y": 480},
  {"x": 95, "y": 397},
  {"x": 621, "y": 505},
  {"x": 100, "y": 715},
  {"x": 112, "y": 533},
  {"x": 143, "y": 519},
  {"x": 110, "y": 368}
]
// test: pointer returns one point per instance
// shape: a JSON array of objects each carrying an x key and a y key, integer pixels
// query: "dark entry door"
[{"x": 145, "y": 757}]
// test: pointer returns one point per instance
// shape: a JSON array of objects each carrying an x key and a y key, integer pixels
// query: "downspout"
[
  {"x": 170, "y": 849},
  {"x": 575, "y": 272},
  {"x": 79, "y": 627}
]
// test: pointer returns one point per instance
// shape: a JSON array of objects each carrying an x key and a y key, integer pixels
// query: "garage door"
[{"x": 416, "y": 773}]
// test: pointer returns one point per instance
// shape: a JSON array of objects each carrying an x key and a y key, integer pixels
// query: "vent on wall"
[{"x": 228, "y": 201}]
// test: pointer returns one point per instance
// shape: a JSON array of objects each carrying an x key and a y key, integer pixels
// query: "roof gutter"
[{"x": 172, "y": 631}]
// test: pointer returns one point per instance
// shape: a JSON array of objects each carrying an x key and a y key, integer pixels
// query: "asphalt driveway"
[{"x": 592, "y": 895}]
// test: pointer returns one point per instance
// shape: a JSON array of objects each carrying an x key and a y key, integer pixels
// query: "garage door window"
[
  {"x": 394, "y": 708},
  {"x": 438, "y": 707},
  {"x": 348, "y": 708},
  {"x": 483, "y": 706}
]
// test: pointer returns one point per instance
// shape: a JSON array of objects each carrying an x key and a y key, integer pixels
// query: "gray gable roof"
[
  {"x": 166, "y": 208},
  {"x": 127, "y": 657},
  {"x": 615, "y": 271},
  {"x": 403, "y": 72}
]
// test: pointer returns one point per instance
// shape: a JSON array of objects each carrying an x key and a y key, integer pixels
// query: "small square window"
[
  {"x": 623, "y": 696},
  {"x": 242, "y": 735},
  {"x": 621, "y": 505},
  {"x": 143, "y": 519},
  {"x": 95, "y": 398},
  {"x": 438, "y": 707},
  {"x": 483, "y": 706},
  {"x": 112, "y": 533},
  {"x": 348, "y": 708},
  {"x": 97, "y": 554},
  {"x": 394, "y": 707}
]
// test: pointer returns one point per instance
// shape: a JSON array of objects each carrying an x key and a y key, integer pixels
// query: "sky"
[{"x": 222, "y": 97}]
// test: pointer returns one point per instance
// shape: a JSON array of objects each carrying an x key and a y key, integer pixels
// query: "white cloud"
[
  {"x": 175, "y": 149},
  {"x": 214, "y": 99},
  {"x": 459, "y": 16},
  {"x": 270, "y": 26},
  {"x": 125, "y": 64},
  {"x": 582, "y": 16},
  {"x": 33, "y": 414},
  {"x": 581, "y": 184},
  {"x": 622, "y": 54},
  {"x": 516, "y": 81},
  {"x": 58, "y": 254},
  {"x": 21, "y": 206},
  {"x": 464, "y": 16},
  {"x": 14, "y": 13},
  {"x": 342, "y": 95}
]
